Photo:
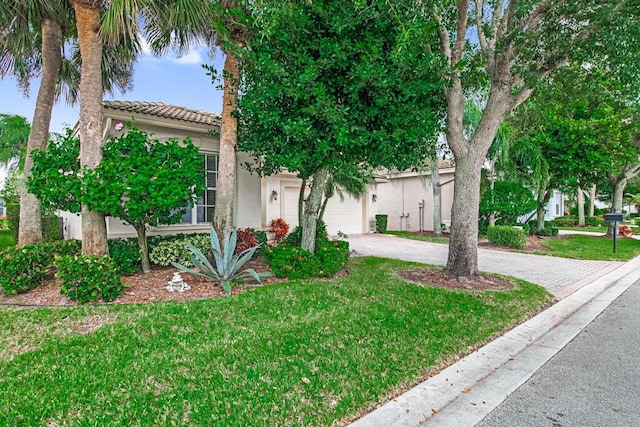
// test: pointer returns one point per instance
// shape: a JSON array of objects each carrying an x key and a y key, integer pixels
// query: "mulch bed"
[
  {"x": 441, "y": 278},
  {"x": 141, "y": 288}
]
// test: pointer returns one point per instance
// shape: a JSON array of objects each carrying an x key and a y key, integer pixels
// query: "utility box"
[{"x": 614, "y": 217}]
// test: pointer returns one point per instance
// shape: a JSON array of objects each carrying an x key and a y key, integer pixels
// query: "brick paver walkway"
[{"x": 561, "y": 276}]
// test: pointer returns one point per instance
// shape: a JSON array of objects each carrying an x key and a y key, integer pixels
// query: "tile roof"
[{"x": 160, "y": 109}]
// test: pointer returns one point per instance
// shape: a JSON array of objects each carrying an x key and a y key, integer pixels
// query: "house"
[
  {"x": 3, "y": 209},
  {"x": 258, "y": 200},
  {"x": 407, "y": 198}
]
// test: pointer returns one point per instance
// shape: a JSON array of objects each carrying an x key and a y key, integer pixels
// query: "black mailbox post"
[{"x": 615, "y": 218}]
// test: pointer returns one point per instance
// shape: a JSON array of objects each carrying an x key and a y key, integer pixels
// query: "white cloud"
[{"x": 193, "y": 57}]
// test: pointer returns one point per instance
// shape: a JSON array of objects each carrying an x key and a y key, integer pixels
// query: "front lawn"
[
  {"x": 581, "y": 246},
  {"x": 6, "y": 238},
  {"x": 298, "y": 353},
  {"x": 602, "y": 230}
]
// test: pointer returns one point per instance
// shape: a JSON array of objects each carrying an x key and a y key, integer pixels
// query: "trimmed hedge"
[
  {"x": 507, "y": 236},
  {"x": 294, "y": 262},
  {"x": 381, "y": 223}
]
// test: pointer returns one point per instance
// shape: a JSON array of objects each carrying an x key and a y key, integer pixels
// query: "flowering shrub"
[
  {"x": 280, "y": 229},
  {"x": 625, "y": 230},
  {"x": 26, "y": 267},
  {"x": 294, "y": 262},
  {"x": 167, "y": 251},
  {"x": 247, "y": 238},
  {"x": 88, "y": 278}
]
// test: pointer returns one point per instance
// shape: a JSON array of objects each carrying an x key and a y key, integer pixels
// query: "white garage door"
[{"x": 345, "y": 216}]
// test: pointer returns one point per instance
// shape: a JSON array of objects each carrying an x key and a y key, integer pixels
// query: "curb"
[{"x": 467, "y": 391}]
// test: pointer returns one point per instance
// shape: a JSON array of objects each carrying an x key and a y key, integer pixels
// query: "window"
[
  {"x": 202, "y": 212},
  {"x": 3, "y": 209}
]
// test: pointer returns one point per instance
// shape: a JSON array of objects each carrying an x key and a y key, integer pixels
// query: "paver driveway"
[{"x": 561, "y": 276}]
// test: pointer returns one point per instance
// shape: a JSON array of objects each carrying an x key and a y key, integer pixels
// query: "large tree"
[
  {"x": 100, "y": 23},
  {"x": 519, "y": 44},
  {"x": 335, "y": 88}
]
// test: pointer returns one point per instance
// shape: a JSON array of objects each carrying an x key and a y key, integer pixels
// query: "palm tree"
[
  {"x": 14, "y": 134},
  {"x": 117, "y": 21},
  {"x": 216, "y": 23},
  {"x": 33, "y": 43}
]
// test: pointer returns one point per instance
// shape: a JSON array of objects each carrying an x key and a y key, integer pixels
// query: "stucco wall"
[{"x": 400, "y": 198}]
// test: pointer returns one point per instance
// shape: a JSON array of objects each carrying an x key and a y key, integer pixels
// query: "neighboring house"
[
  {"x": 258, "y": 200},
  {"x": 3, "y": 209},
  {"x": 407, "y": 198},
  {"x": 555, "y": 206}
]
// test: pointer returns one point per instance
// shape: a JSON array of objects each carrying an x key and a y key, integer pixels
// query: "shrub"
[
  {"x": 508, "y": 201},
  {"x": 26, "y": 267},
  {"x": 507, "y": 236},
  {"x": 295, "y": 237},
  {"x": 294, "y": 262},
  {"x": 13, "y": 219},
  {"x": 86, "y": 278},
  {"x": 381, "y": 223},
  {"x": 247, "y": 239},
  {"x": 592, "y": 221},
  {"x": 565, "y": 221},
  {"x": 291, "y": 261},
  {"x": 280, "y": 229},
  {"x": 171, "y": 250},
  {"x": 262, "y": 239},
  {"x": 126, "y": 255},
  {"x": 332, "y": 257}
]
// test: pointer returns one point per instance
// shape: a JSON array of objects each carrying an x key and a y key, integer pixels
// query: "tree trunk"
[
  {"x": 463, "y": 240},
  {"x": 94, "y": 230},
  {"x": 311, "y": 209},
  {"x": 616, "y": 198},
  {"x": 492, "y": 185},
  {"x": 592, "y": 200},
  {"x": 144, "y": 249},
  {"x": 303, "y": 187},
  {"x": 580, "y": 201},
  {"x": 542, "y": 199},
  {"x": 323, "y": 207},
  {"x": 225, "y": 194},
  {"x": 437, "y": 199},
  {"x": 469, "y": 157},
  {"x": 30, "y": 228}
]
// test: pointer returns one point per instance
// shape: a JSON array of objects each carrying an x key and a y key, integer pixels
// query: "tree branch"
[{"x": 463, "y": 10}]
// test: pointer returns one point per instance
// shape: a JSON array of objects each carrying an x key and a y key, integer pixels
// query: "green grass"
[
  {"x": 592, "y": 247},
  {"x": 590, "y": 229},
  {"x": 413, "y": 236},
  {"x": 298, "y": 353},
  {"x": 6, "y": 238}
]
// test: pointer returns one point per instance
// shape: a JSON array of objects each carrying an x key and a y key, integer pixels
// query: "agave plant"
[{"x": 227, "y": 264}]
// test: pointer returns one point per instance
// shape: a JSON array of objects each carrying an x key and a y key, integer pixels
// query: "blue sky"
[{"x": 170, "y": 79}]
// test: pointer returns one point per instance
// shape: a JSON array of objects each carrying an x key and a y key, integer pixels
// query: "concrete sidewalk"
[{"x": 466, "y": 392}]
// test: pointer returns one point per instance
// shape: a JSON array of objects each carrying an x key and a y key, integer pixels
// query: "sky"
[{"x": 176, "y": 80}]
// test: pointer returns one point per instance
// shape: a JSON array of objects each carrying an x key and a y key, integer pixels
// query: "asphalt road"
[{"x": 593, "y": 381}]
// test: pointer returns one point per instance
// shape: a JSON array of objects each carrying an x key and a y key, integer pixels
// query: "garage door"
[{"x": 345, "y": 216}]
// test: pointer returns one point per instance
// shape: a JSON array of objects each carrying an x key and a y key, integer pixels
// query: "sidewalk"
[{"x": 466, "y": 392}]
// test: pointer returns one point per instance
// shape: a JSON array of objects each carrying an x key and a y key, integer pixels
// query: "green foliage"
[
  {"x": 593, "y": 221},
  {"x": 381, "y": 223},
  {"x": 26, "y": 267},
  {"x": 87, "y": 278},
  {"x": 140, "y": 180},
  {"x": 11, "y": 196},
  {"x": 227, "y": 263},
  {"x": 295, "y": 237},
  {"x": 548, "y": 231},
  {"x": 507, "y": 236},
  {"x": 169, "y": 250},
  {"x": 565, "y": 221},
  {"x": 508, "y": 200},
  {"x": 126, "y": 255},
  {"x": 293, "y": 262}
]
